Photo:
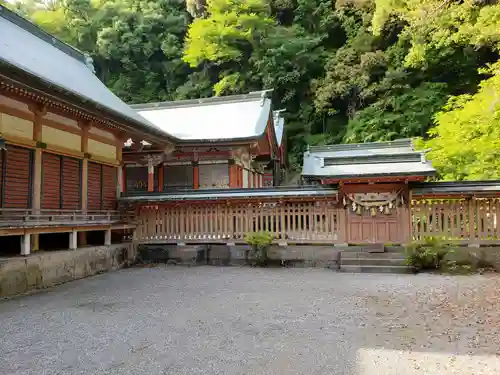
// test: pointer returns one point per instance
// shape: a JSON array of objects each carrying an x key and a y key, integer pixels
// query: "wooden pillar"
[
  {"x": 73, "y": 240},
  {"x": 38, "y": 112},
  {"x": 161, "y": 170},
  {"x": 120, "y": 187},
  {"x": 107, "y": 237},
  {"x": 151, "y": 176},
  {"x": 196, "y": 175},
  {"x": 25, "y": 244},
  {"x": 249, "y": 178},
  {"x": 85, "y": 126},
  {"x": 82, "y": 236},
  {"x": 119, "y": 181},
  {"x": 255, "y": 182},
  {"x": 233, "y": 174}
]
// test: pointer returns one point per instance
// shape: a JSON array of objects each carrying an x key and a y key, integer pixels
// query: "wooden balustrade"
[
  {"x": 311, "y": 222},
  {"x": 33, "y": 217},
  {"x": 475, "y": 220}
]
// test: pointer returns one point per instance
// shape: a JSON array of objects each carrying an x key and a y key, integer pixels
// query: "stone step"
[
  {"x": 376, "y": 269},
  {"x": 370, "y": 250},
  {"x": 362, "y": 255},
  {"x": 372, "y": 261}
]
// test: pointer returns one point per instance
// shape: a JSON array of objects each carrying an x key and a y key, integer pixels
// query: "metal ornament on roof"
[{"x": 373, "y": 202}]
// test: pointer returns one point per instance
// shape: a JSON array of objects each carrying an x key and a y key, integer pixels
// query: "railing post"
[
  {"x": 342, "y": 225},
  {"x": 471, "y": 219}
]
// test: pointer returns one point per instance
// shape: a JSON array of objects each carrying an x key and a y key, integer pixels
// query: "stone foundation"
[
  {"x": 226, "y": 255},
  {"x": 45, "y": 269},
  {"x": 289, "y": 255}
]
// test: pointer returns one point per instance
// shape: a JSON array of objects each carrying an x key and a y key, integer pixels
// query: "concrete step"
[
  {"x": 376, "y": 269},
  {"x": 362, "y": 255},
  {"x": 373, "y": 261}
]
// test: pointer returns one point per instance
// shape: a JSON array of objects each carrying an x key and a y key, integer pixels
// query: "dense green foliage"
[{"x": 345, "y": 70}]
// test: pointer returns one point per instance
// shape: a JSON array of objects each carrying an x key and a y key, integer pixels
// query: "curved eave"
[
  {"x": 244, "y": 195},
  {"x": 380, "y": 176},
  {"x": 30, "y": 82}
]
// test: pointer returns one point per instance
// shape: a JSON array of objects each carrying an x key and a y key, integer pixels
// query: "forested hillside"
[{"x": 345, "y": 71}]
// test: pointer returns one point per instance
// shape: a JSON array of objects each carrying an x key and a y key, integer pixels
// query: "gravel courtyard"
[{"x": 209, "y": 320}]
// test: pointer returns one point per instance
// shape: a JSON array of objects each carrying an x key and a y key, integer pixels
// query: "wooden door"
[
  {"x": 109, "y": 177},
  {"x": 94, "y": 192},
  {"x": 51, "y": 181},
  {"x": 381, "y": 228},
  {"x": 71, "y": 183},
  {"x": 17, "y": 174}
]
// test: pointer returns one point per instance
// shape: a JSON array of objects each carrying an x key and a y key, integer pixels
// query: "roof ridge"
[
  {"x": 40, "y": 33},
  {"x": 374, "y": 156},
  {"x": 256, "y": 95},
  {"x": 363, "y": 146}
]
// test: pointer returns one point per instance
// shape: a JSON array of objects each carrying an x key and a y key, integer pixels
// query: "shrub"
[
  {"x": 259, "y": 242},
  {"x": 427, "y": 254}
]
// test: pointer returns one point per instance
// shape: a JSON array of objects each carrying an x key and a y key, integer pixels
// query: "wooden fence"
[
  {"x": 475, "y": 220},
  {"x": 468, "y": 221},
  {"x": 312, "y": 222}
]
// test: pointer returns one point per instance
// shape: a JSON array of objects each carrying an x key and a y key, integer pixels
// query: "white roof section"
[
  {"x": 25, "y": 46},
  {"x": 366, "y": 160},
  {"x": 370, "y": 170},
  {"x": 236, "y": 117}
]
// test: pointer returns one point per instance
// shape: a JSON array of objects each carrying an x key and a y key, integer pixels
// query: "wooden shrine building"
[
  {"x": 373, "y": 181},
  {"x": 61, "y": 138},
  {"x": 222, "y": 142}
]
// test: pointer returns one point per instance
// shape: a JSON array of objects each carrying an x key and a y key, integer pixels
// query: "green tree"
[{"x": 465, "y": 144}]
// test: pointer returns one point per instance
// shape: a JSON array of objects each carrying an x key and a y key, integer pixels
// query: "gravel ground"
[{"x": 208, "y": 320}]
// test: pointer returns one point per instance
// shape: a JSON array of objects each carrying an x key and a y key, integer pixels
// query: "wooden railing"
[
  {"x": 312, "y": 222},
  {"x": 475, "y": 220},
  {"x": 32, "y": 217}
]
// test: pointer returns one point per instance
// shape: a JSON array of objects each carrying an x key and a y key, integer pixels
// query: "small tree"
[
  {"x": 427, "y": 254},
  {"x": 259, "y": 242}
]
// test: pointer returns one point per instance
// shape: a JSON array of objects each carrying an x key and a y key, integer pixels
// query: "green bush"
[
  {"x": 259, "y": 242},
  {"x": 428, "y": 254}
]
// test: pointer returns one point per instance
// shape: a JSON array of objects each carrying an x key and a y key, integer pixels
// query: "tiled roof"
[
  {"x": 27, "y": 47},
  {"x": 366, "y": 160},
  {"x": 456, "y": 187},
  {"x": 217, "y": 194},
  {"x": 226, "y": 118}
]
